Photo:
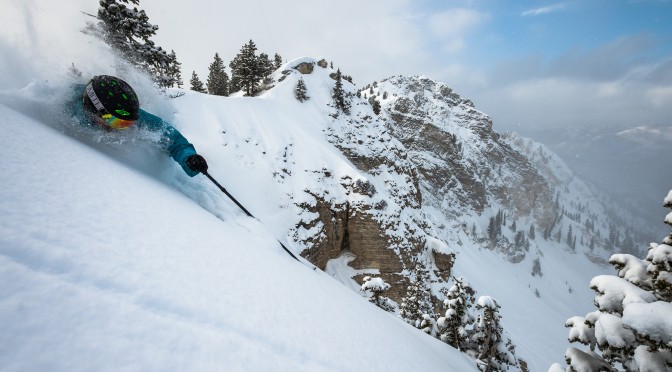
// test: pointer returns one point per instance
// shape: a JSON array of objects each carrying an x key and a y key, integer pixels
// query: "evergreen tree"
[
  {"x": 277, "y": 60},
  {"x": 570, "y": 237},
  {"x": 168, "y": 75},
  {"x": 536, "y": 267},
  {"x": 495, "y": 349},
  {"x": 196, "y": 83},
  {"x": 377, "y": 286},
  {"x": 633, "y": 309},
  {"x": 455, "y": 325},
  {"x": 531, "y": 233},
  {"x": 492, "y": 229},
  {"x": 416, "y": 307},
  {"x": 375, "y": 105},
  {"x": 409, "y": 310},
  {"x": 301, "y": 92},
  {"x": 246, "y": 72},
  {"x": 338, "y": 94},
  {"x": 520, "y": 240},
  {"x": 175, "y": 71},
  {"x": 218, "y": 80},
  {"x": 128, "y": 32},
  {"x": 265, "y": 65}
]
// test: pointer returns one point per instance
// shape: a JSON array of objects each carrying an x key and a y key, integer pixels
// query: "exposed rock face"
[
  {"x": 350, "y": 229},
  {"x": 430, "y": 147},
  {"x": 460, "y": 158},
  {"x": 444, "y": 265},
  {"x": 305, "y": 68}
]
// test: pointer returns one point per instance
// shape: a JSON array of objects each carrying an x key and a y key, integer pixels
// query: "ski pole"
[{"x": 243, "y": 209}]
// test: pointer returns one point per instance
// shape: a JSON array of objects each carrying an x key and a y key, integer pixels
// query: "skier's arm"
[{"x": 173, "y": 141}]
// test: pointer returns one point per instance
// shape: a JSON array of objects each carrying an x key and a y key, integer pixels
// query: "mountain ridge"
[{"x": 394, "y": 183}]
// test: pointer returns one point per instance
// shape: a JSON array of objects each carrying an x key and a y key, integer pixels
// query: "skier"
[{"x": 112, "y": 104}]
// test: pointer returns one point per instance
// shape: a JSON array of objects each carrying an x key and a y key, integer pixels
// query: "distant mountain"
[{"x": 630, "y": 165}]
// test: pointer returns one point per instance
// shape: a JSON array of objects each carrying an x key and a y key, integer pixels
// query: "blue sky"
[
  {"x": 528, "y": 64},
  {"x": 551, "y": 30},
  {"x": 536, "y": 63},
  {"x": 554, "y": 28}
]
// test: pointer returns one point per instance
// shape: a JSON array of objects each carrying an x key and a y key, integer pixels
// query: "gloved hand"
[{"x": 197, "y": 163}]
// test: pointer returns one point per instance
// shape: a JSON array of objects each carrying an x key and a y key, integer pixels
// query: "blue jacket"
[{"x": 172, "y": 141}]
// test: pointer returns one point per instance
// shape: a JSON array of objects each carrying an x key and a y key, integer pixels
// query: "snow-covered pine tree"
[
  {"x": 301, "y": 91},
  {"x": 245, "y": 70},
  {"x": 175, "y": 70},
  {"x": 456, "y": 325},
  {"x": 536, "y": 267},
  {"x": 495, "y": 349},
  {"x": 416, "y": 306},
  {"x": 128, "y": 32},
  {"x": 266, "y": 67},
  {"x": 339, "y": 96},
  {"x": 218, "y": 80},
  {"x": 167, "y": 73},
  {"x": 632, "y": 325},
  {"x": 375, "y": 105},
  {"x": 277, "y": 61},
  {"x": 377, "y": 286},
  {"x": 409, "y": 310},
  {"x": 196, "y": 83},
  {"x": 531, "y": 233}
]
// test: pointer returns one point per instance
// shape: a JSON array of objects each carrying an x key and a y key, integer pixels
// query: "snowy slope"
[
  {"x": 267, "y": 151},
  {"x": 117, "y": 260},
  {"x": 105, "y": 268}
]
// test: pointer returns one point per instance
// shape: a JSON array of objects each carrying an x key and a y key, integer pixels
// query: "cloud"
[
  {"x": 543, "y": 10},
  {"x": 451, "y": 26},
  {"x": 611, "y": 61},
  {"x": 556, "y": 101},
  {"x": 621, "y": 83},
  {"x": 367, "y": 40}
]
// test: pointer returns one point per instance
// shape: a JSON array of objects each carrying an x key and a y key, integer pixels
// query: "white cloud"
[
  {"x": 543, "y": 10},
  {"x": 566, "y": 102},
  {"x": 451, "y": 26},
  {"x": 660, "y": 97},
  {"x": 367, "y": 40}
]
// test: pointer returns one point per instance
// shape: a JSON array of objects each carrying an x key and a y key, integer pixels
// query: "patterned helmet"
[{"x": 112, "y": 100}]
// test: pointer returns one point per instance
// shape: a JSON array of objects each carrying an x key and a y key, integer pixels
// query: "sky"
[{"x": 525, "y": 63}]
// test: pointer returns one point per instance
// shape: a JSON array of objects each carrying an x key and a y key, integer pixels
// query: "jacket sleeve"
[{"x": 171, "y": 139}]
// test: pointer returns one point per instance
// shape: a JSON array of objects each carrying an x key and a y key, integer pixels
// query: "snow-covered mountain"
[
  {"x": 112, "y": 259},
  {"x": 109, "y": 247},
  {"x": 406, "y": 196}
]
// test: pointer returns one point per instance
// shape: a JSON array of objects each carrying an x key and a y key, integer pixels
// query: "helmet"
[{"x": 111, "y": 101}]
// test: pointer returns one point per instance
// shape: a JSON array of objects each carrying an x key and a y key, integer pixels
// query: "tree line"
[
  {"x": 127, "y": 30},
  {"x": 249, "y": 72}
]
